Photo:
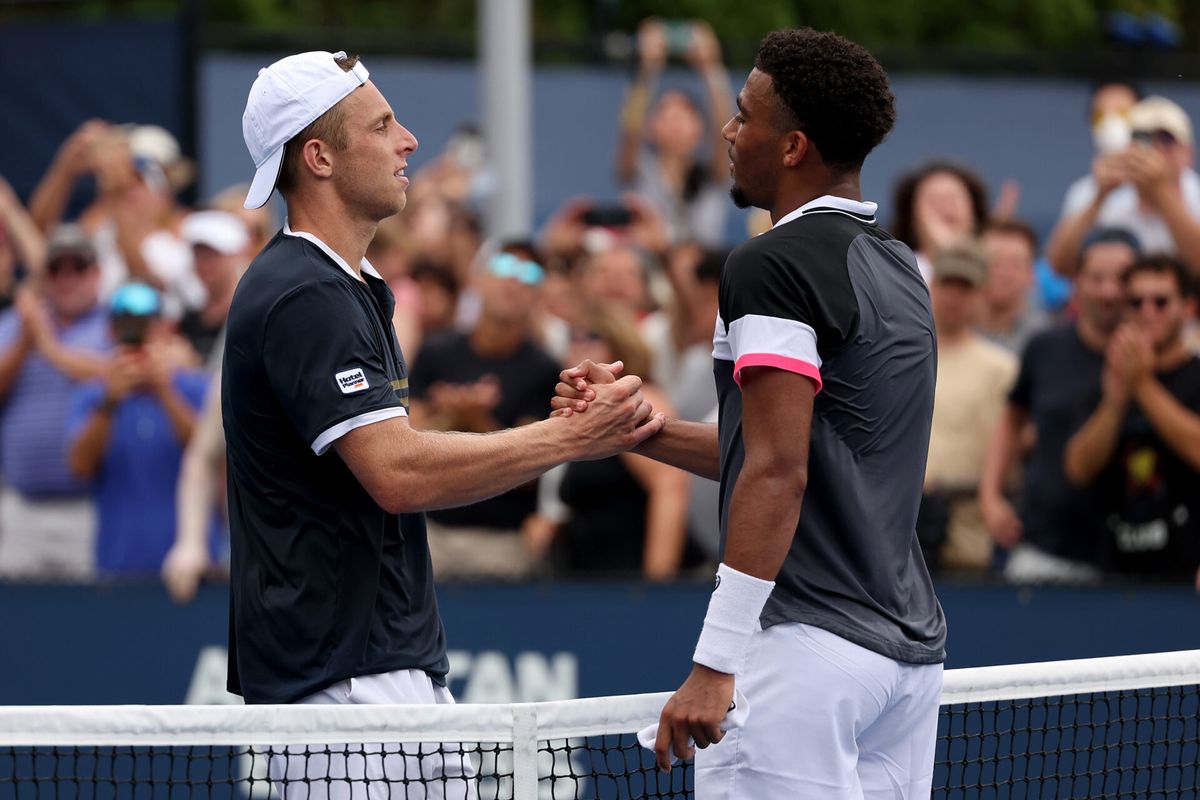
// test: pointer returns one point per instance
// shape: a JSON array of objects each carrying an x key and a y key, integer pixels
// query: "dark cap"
[
  {"x": 1109, "y": 236},
  {"x": 70, "y": 239},
  {"x": 964, "y": 261}
]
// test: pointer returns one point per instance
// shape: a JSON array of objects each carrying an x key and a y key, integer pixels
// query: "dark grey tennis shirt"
[{"x": 829, "y": 295}]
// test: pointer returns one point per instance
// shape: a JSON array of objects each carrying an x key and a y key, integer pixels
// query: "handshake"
[{"x": 608, "y": 414}]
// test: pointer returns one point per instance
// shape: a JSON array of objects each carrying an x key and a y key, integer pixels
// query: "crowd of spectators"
[{"x": 1066, "y": 433}]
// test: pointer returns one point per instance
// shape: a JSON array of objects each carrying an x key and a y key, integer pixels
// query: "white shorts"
[
  {"x": 827, "y": 719},
  {"x": 425, "y": 771}
]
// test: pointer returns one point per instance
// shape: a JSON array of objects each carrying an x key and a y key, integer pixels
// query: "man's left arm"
[
  {"x": 1176, "y": 424},
  {"x": 764, "y": 510}
]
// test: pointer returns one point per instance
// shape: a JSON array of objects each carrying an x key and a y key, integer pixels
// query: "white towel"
[{"x": 739, "y": 709}]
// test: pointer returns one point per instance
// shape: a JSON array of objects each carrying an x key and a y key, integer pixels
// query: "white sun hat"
[
  {"x": 285, "y": 99},
  {"x": 219, "y": 230}
]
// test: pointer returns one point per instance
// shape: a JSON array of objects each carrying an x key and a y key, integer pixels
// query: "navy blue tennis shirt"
[{"x": 325, "y": 585}]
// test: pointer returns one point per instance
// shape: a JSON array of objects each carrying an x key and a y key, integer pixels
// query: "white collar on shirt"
[
  {"x": 341, "y": 262},
  {"x": 829, "y": 203}
]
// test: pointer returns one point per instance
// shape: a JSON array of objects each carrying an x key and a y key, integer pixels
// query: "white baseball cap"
[
  {"x": 285, "y": 99},
  {"x": 219, "y": 230}
]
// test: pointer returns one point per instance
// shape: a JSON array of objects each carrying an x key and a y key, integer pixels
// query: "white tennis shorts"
[
  {"x": 828, "y": 719},
  {"x": 427, "y": 771}
]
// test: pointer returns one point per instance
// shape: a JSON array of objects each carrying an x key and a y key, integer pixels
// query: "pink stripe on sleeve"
[{"x": 778, "y": 362}]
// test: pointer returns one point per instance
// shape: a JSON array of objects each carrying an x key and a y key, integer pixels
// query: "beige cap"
[
  {"x": 964, "y": 261},
  {"x": 1160, "y": 114}
]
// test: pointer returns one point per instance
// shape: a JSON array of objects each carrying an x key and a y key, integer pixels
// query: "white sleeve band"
[{"x": 732, "y": 618}]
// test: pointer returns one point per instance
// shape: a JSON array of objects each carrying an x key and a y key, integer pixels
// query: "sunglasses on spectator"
[
  {"x": 1136, "y": 301},
  {"x": 76, "y": 266},
  {"x": 1159, "y": 137},
  {"x": 506, "y": 265}
]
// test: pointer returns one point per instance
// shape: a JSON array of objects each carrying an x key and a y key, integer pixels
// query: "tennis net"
[{"x": 1121, "y": 727}]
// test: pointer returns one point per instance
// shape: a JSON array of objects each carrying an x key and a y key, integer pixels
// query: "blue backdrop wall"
[
  {"x": 526, "y": 642},
  {"x": 1032, "y": 131},
  {"x": 56, "y": 76}
]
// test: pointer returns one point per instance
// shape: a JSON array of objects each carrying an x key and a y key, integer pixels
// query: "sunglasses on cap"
[
  {"x": 1159, "y": 137},
  {"x": 1136, "y": 301},
  {"x": 506, "y": 265},
  {"x": 68, "y": 264}
]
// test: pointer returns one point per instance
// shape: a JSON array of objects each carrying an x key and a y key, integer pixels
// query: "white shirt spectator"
[{"x": 1123, "y": 210}]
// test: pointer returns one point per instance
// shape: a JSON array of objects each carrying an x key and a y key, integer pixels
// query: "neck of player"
[
  {"x": 344, "y": 233},
  {"x": 797, "y": 189}
]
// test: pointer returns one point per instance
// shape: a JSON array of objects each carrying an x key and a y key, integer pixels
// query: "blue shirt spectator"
[
  {"x": 127, "y": 433},
  {"x": 134, "y": 488}
]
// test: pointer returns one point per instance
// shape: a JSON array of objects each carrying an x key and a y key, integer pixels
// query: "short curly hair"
[{"x": 833, "y": 90}]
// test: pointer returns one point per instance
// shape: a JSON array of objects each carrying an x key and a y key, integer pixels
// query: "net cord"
[
  {"x": 1075, "y": 677},
  {"x": 267, "y": 725}
]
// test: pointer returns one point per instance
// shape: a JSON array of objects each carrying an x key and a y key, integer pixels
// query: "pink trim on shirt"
[{"x": 778, "y": 362}]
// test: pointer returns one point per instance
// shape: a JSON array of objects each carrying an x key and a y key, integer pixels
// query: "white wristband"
[{"x": 732, "y": 618}]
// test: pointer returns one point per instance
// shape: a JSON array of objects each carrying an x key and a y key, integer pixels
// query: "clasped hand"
[{"x": 620, "y": 417}]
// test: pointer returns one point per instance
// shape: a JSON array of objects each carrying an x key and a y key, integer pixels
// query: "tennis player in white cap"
[{"x": 331, "y": 586}]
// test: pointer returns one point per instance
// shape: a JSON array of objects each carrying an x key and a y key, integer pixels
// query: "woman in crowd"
[
  {"x": 938, "y": 204},
  {"x": 673, "y": 155}
]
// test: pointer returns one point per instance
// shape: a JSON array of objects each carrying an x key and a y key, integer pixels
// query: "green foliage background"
[
  {"x": 1001, "y": 26},
  {"x": 991, "y": 24}
]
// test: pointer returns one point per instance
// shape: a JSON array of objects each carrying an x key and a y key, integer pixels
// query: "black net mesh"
[
  {"x": 1141, "y": 743},
  {"x": 353, "y": 772},
  {"x": 592, "y": 768},
  {"x": 604, "y": 767}
]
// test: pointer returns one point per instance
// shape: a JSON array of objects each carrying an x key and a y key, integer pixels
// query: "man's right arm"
[
  {"x": 1062, "y": 251},
  {"x": 1129, "y": 357},
  {"x": 407, "y": 470},
  {"x": 89, "y": 445},
  {"x": 1063, "y": 247},
  {"x": 49, "y": 200},
  {"x": 1093, "y": 445},
  {"x": 652, "y": 54}
]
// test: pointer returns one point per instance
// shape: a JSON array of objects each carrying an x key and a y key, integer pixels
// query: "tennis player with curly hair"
[{"x": 824, "y": 617}]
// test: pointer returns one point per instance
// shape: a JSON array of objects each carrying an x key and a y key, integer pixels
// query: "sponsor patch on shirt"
[{"x": 351, "y": 381}]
